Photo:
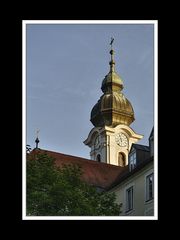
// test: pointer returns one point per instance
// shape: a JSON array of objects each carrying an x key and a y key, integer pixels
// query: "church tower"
[{"x": 111, "y": 138}]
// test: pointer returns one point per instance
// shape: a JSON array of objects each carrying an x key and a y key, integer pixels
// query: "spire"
[
  {"x": 112, "y": 62},
  {"x": 37, "y": 139},
  {"x": 112, "y": 81},
  {"x": 113, "y": 108}
]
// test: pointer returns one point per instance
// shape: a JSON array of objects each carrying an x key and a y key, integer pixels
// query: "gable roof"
[
  {"x": 95, "y": 173},
  {"x": 140, "y": 147}
]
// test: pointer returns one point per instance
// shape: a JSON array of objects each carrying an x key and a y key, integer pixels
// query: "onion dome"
[
  {"x": 112, "y": 81},
  {"x": 113, "y": 108}
]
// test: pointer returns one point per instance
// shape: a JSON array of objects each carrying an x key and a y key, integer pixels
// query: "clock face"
[{"x": 121, "y": 140}]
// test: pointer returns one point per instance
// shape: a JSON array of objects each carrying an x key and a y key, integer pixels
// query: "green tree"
[{"x": 53, "y": 191}]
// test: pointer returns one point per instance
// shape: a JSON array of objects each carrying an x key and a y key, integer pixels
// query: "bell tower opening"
[
  {"x": 98, "y": 158},
  {"x": 121, "y": 159}
]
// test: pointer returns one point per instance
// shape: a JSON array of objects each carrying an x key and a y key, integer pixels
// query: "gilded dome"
[
  {"x": 113, "y": 108},
  {"x": 113, "y": 81}
]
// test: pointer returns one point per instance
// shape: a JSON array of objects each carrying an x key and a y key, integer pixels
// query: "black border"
[{"x": 15, "y": 121}]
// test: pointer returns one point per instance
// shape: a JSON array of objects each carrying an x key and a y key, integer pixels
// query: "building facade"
[
  {"x": 134, "y": 188},
  {"x": 111, "y": 138}
]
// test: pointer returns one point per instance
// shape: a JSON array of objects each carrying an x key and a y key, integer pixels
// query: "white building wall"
[{"x": 138, "y": 181}]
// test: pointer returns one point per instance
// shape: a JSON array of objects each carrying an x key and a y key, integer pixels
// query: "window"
[
  {"x": 132, "y": 161},
  {"x": 129, "y": 199},
  {"x": 121, "y": 159},
  {"x": 149, "y": 187},
  {"x": 98, "y": 158}
]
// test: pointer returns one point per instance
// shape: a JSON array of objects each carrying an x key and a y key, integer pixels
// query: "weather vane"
[{"x": 112, "y": 40}]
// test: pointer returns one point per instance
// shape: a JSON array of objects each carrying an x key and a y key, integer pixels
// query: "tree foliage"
[{"x": 53, "y": 191}]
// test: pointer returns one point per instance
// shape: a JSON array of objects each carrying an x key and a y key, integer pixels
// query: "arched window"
[
  {"x": 121, "y": 159},
  {"x": 98, "y": 158}
]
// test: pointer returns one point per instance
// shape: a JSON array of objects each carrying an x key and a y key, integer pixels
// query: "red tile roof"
[{"x": 95, "y": 173}]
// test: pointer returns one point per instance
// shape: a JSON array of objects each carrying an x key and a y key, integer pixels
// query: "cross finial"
[
  {"x": 37, "y": 139},
  {"x": 112, "y": 40},
  {"x": 112, "y": 62}
]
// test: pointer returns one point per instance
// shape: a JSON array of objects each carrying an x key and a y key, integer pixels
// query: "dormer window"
[{"x": 132, "y": 160}]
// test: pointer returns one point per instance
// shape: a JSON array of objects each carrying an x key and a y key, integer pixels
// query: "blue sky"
[{"x": 65, "y": 68}]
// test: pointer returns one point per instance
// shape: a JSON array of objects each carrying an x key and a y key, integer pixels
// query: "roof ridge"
[{"x": 85, "y": 159}]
